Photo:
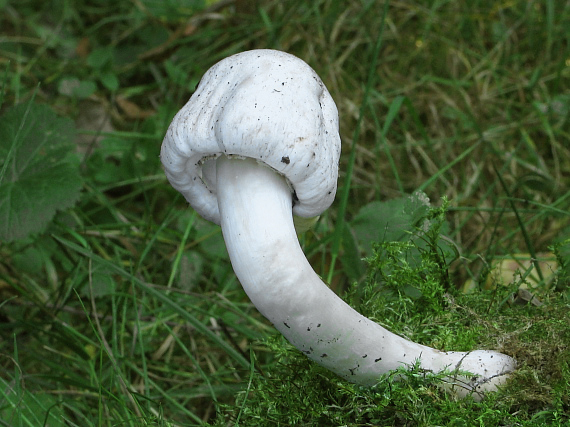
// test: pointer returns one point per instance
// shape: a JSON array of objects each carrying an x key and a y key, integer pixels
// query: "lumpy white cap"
[{"x": 266, "y": 105}]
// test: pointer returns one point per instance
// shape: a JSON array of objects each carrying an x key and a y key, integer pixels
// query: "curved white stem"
[{"x": 257, "y": 224}]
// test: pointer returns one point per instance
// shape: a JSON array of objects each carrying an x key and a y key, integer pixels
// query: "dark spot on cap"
[{"x": 285, "y": 159}]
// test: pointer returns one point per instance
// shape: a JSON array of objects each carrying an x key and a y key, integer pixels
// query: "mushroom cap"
[{"x": 261, "y": 104}]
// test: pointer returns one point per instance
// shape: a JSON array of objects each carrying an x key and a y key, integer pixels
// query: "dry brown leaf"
[{"x": 131, "y": 110}]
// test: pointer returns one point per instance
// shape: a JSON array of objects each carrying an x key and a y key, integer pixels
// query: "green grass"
[{"x": 124, "y": 310}]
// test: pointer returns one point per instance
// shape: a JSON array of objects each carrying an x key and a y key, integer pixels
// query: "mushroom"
[{"x": 256, "y": 143}]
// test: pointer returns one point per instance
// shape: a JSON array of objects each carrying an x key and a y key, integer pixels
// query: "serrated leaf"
[{"x": 40, "y": 171}]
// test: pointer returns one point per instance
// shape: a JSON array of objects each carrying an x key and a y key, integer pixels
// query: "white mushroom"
[{"x": 257, "y": 142}]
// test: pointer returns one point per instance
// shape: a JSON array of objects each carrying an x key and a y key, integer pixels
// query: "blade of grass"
[
  {"x": 4, "y": 84},
  {"x": 164, "y": 394},
  {"x": 180, "y": 251},
  {"x": 345, "y": 192},
  {"x": 16, "y": 142},
  {"x": 522, "y": 227},
  {"x": 195, "y": 363},
  {"x": 199, "y": 326},
  {"x": 448, "y": 166},
  {"x": 393, "y": 111},
  {"x": 98, "y": 330},
  {"x": 251, "y": 373}
]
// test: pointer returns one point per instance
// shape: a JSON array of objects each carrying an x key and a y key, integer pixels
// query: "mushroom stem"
[{"x": 257, "y": 224}]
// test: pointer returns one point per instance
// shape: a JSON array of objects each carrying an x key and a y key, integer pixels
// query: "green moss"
[{"x": 406, "y": 292}]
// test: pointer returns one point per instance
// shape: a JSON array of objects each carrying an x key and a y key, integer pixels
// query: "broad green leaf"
[
  {"x": 40, "y": 171},
  {"x": 99, "y": 57},
  {"x": 110, "y": 80},
  {"x": 21, "y": 407},
  {"x": 389, "y": 221}
]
